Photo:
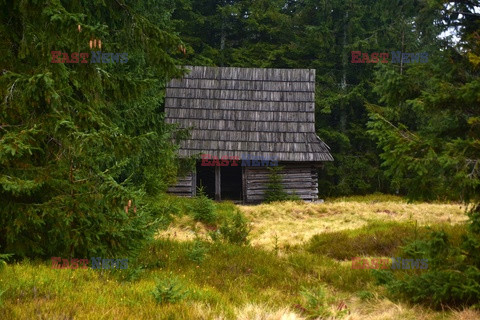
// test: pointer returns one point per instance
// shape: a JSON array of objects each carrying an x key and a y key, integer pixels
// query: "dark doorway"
[
  {"x": 231, "y": 181},
  {"x": 206, "y": 179}
]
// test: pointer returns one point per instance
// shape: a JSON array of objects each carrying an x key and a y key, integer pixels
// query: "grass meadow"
[{"x": 297, "y": 265}]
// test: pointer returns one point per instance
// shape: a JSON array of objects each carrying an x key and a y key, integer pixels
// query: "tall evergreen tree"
[
  {"x": 428, "y": 124},
  {"x": 82, "y": 145}
]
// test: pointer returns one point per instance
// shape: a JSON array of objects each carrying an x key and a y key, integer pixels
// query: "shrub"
[
  {"x": 317, "y": 304},
  {"x": 3, "y": 258},
  {"x": 439, "y": 287},
  {"x": 275, "y": 190},
  {"x": 165, "y": 205},
  {"x": 204, "y": 208},
  {"x": 133, "y": 273},
  {"x": 169, "y": 290},
  {"x": 197, "y": 252},
  {"x": 234, "y": 229},
  {"x": 453, "y": 274},
  {"x": 365, "y": 295},
  {"x": 383, "y": 277}
]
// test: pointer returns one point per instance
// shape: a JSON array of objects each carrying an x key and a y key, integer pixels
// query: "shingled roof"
[{"x": 234, "y": 111}]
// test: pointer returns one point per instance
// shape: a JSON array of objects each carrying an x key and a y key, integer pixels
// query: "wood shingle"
[{"x": 257, "y": 111}]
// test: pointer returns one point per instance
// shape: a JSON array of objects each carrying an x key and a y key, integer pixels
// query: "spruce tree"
[
  {"x": 427, "y": 124},
  {"x": 83, "y": 146},
  {"x": 275, "y": 190}
]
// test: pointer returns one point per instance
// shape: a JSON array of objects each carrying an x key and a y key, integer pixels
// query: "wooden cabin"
[{"x": 267, "y": 113}]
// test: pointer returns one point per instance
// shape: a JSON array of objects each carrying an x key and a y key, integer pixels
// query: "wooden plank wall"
[
  {"x": 301, "y": 179},
  {"x": 185, "y": 187}
]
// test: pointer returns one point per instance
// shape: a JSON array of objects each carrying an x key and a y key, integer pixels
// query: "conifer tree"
[
  {"x": 275, "y": 190},
  {"x": 83, "y": 146},
  {"x": 427, "y": 124}
]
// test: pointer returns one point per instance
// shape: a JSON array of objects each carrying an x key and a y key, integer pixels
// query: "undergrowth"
[
  {"x": 375, "y": 239},
  {"x": 453, "y": 274}
]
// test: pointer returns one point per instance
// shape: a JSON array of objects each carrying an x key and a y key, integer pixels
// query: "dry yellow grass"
[
  {"x": 87, "y": 294},
  {"x": 262, "y": 312},
  {"x": 295, "y": 222},
  {"x": 183, "y": 228},
  {"x": 384, "y": 309},
  {"x": 375, "y": 309}
]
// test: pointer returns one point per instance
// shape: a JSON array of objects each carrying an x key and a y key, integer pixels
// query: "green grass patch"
[
  {"x": 375, "y": 197},
  {"x": 203, "y": 279},
  {"x": 174, "y": 275},
  {"x": 375, "y": 239}
]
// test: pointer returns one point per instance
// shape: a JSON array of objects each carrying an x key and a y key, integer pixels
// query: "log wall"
[
  {"x": 299, "y": 179},
  {"x": 185, "y": 186}
]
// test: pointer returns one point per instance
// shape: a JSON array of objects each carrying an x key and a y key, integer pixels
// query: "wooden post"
[
  {"x": 218, "y": 191},
  {"x": 244, "y": 185}
]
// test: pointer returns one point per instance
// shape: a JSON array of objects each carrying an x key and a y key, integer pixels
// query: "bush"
[
  {"x": 365, "y": 295},
  {"x": 169, "y": 290},
  {"x": 234, "y": 229},
  {"x": 204, "y": 208},
  {"x": 132, "y": 273},
  {"x": 453, "y": 274},
  {"x": 3, "y": 258},
  {"x": 197, "y": 252},
  {"x": 438, "y": 288},
  {"x": 316, "y": 305},
  {"x": 275, "y": 190},
  {"x": 165, "y": 205}
]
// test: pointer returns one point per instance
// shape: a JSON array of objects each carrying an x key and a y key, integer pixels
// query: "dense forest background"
[
  {"x": 391, "y": 127},
  {"x": 84, "y": 151}
]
